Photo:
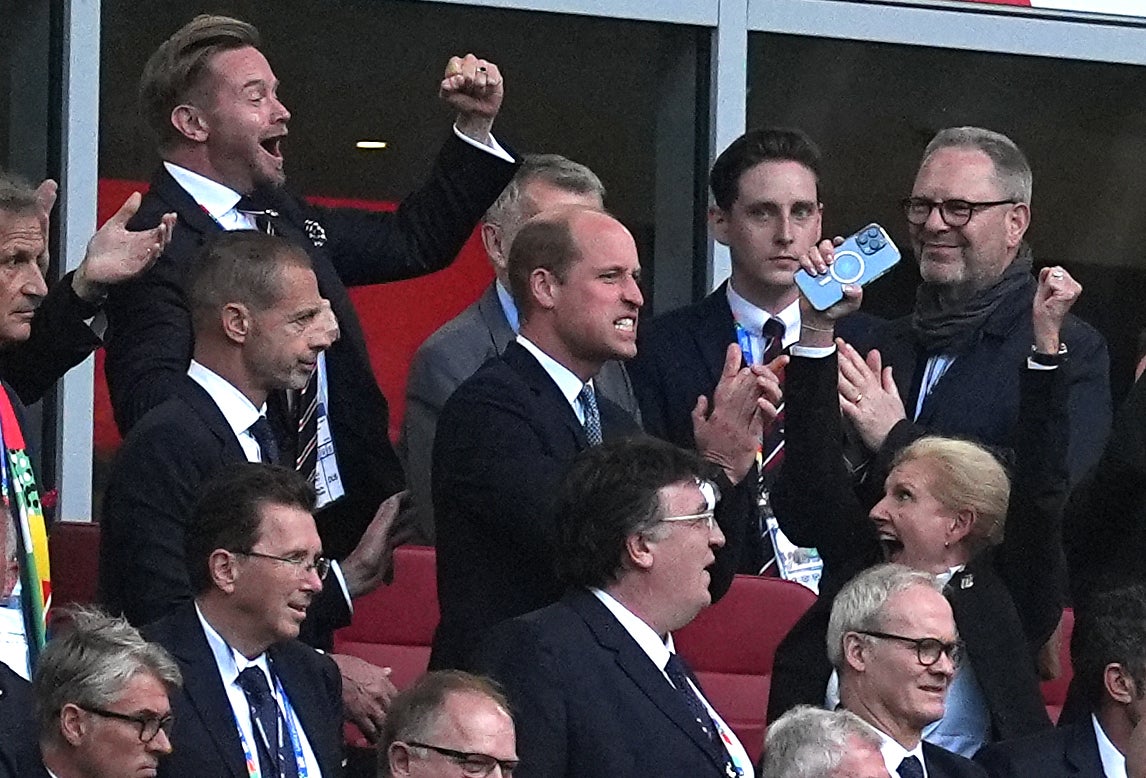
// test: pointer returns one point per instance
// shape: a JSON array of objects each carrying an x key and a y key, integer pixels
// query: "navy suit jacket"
[
  {"x": 206, "y": 737},
  {"x": 19, "y": 731},
  {"x": 587, "y": 699},
  {"x": 941, "y": 763},
  {"x": 149, "y": 324},
  {"x": 1065, "y": 752},
  {"x": 158, "y": 475}
]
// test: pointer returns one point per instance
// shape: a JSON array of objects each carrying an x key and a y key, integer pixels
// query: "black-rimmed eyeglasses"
[
  {"x": 927, "y": 650},
  {"x": 472, "y": 764},
  {"x": 320, "y": 565},
  {"x": 954, "y": 213},
  {"x": 149, "y": 726}
]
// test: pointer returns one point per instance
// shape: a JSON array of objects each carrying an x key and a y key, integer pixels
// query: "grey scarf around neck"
[{"x": 945, "y": 328}]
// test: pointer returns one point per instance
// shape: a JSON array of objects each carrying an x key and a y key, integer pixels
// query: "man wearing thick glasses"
[
  {"x": 892, "y": 639},
  {"x": 953, "y": 359},
  {"x": 254, "y": 697},
  {"x": 449, "y": 724},
  {"x": 102, "y": 696}
]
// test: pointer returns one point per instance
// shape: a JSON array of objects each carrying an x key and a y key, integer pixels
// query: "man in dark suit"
[
  {"x": 892, "y": 639},
  {"x": 17, "y": 708},
  {"x": 251, "y": 690},
  {"x": 767, "y": 211},
  {"x": 508, "y": 433},
  {"x": 593, "y": 679},
  {"x": 951, "y": 358},
  {"x": 259, "y": 325},
  {"x": 103, "y": 701},
  {"x": 483, "y": 330},
  {"x": 210, "y": 96},
  {"x": 1108, "y": 653}
]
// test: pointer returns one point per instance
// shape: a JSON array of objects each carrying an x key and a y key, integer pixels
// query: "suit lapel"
[
  {"x": 715, "y": 329},
  {"x": 204, "y": 688},
  {"x": 191, "y": 214},
  {"x": 1081, "y": 749},
  {"x": 546, "y": 391},
  {"x": 205, "y": 408},
  {"x": 492, "y": 315},
  {"x": 635, "y": 663}
]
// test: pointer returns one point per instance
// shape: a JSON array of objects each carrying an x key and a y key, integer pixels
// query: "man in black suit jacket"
[
  {"x": 483, "y": 330},
  {"x": 103, "y": 699},
  {"x": 259, "y": 326},
  {"x": 951, "y": 357},
  {"x": 249, "y": 687},
  {"x": 1108, "y": 654},
  {"x": 767, "y": 211},
  {"x": 508, "y": 434},
  {"x": 594, "y": 681},
  {"x": 892, "y": 639},
  {"x": 210, "y": 96}
]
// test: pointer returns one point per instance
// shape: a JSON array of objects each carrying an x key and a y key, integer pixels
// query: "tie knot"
[
  {"x": 773, "y": 328},
  {"x": 247, "y": 204},
  {"x": 910, "y": 767},
  {"x": 253, "y": 681}
]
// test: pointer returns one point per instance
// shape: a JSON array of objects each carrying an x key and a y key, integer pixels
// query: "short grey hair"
[
  {"x": 510, "y": 208},
  {"x": 860, "y": 604},
  {"x": 17, "y": 196},
  {"x": 809, "y": 742},
  {"x": 1012, "y": 171},
  {"x": 90, "y": 665}
]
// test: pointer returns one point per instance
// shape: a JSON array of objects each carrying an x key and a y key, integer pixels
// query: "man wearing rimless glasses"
[
  {"x": 892, "y": 639},
  {"x": 254, "y": 697},
  {"x": 102, "y": 696},
  {"x": 955, "y": 359}
]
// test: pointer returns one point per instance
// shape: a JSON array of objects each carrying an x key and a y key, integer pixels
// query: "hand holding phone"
[{"x": 859, "y": 260}]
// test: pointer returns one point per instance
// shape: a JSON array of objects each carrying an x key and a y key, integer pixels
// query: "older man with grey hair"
[
  {"x": 954, "y": 357},
  {"x": 102, "y": 701},
  {"x": 809, "y": 742},
  {"x": 463, "y": 344},
  {"x": 449, "y": 724},
  {"x": 892, "y": 640}
]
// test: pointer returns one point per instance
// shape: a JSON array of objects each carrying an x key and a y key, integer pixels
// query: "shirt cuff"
[
  {"x": 494, "y": 147},
  {"x": 334, "y": 568},
  {"x": 1033, "y": 365},
  {"x": 813, "y": 352}
]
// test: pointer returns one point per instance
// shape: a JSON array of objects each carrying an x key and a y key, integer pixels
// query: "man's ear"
[
  {"x": 855, "y": 651},
  {"x": 1018, "y": 220},
  {"x": 236, "y": 321},
  {"x": 72, "y": 724},
  {"x": 221, "y": 566},
  {"x": 545, "y": 288},
  {"x": 639, "y": 551},
  {"x": 491, "y": 238},
  {"x": 190, "y": 122},
  {"x": 1119, "y": 684},
  {"x": 718, "y": 224},
  {"x": 399, "y": 756}
]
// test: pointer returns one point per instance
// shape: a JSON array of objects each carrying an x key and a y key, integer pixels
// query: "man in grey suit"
[{"x": 483, "y": 330}]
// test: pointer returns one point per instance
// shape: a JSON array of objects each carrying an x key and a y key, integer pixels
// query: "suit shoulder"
[
  {"x": 942, "y": 763},
  {"x": 457, "y": 347},
  {"x": 671, "y": 324},
  {"x": 1029, "y": 751}
]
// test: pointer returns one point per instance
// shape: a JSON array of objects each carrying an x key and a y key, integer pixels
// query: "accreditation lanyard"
[
  {"x": 287, "y": 711},
  {"x": 745, "y": 341}
]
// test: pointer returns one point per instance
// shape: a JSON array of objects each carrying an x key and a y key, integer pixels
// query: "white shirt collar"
[
  {"x": 752, "y": 318},
  {"x": 645, "y": 636},
  {"x": 893, "y": 753},
  {"x": 215, "y": 198},
  {"x": 229, "y": 661},
  {"x": 1113, "y": 761},
  {"x": 239, "y": 412},
  {"x": 569, "y": 384},
  {"x": 945, "y": 578}
]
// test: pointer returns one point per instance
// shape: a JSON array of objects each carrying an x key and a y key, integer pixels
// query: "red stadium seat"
[
  {"x": 394, "y": 625},
  {"x": 73, "y": 553},
  {"x": 731, "y": 647},
  {"x": 1054, "y": 692}
]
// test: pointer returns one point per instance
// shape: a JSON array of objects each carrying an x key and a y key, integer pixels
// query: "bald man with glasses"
[{"x": 955, "y": 360}]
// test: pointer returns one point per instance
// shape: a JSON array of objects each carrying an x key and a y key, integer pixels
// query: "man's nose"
[
  {"x": 783, "y": 234},
  {"x": 34, "y": 285},
  {"x": 160, "y": 743}
]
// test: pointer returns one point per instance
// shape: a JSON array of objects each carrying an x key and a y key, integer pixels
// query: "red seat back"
[
  {"x": 1054, "y": 692},
  {"x": 731, "y": 647},
  {"x": 73, "y": 552}
]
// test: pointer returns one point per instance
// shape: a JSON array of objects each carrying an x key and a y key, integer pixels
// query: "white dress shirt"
[
  {"x": 659, "y": 652},
  {"x": 893, "y": 753},
  {"x": 566, "y": 380},
  {"x": 752, "y": 319},
  {"x": 230, "y": 663},
  {"x": 1113, "y": 761}
]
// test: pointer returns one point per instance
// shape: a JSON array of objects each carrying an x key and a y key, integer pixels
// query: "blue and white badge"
[{"x": 327, "y": 479}]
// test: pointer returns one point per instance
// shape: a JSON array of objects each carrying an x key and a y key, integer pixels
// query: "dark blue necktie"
[
  {"x": 910, "y": 767},
  {"x": 677, "y": 673},
  {"x": 261, "y": 432},
  {"x": 276, "y": 752},
  {"x": 588, "y": 400}
]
